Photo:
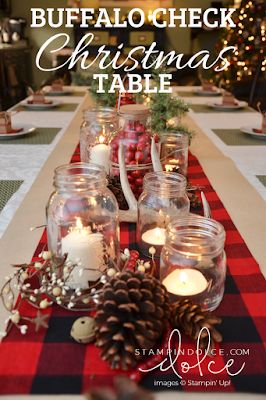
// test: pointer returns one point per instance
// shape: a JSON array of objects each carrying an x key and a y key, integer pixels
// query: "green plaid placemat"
[
  {"x": 234, "y": 137},
  {"x": 201, "y": 108},
  {"x": 39, "y": 136},
  {"x": 71, "y": 94},
  {"x": 78, "y": 94},
  {"x": 262, "y": 179},
  {"x": 66, "y": 107},
  {"x": 186, "y": 94},
  {"x": 7, "y": 189}
]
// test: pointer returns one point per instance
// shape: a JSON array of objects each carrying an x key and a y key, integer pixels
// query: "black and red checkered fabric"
[{"x": 49, "y": 362}]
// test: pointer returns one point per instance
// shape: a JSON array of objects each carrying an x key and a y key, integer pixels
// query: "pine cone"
[
  {"x": 115, "y": 186},
  {"x": 132, "y": 314},
  {"x": 190, "y": 318},
  {"x": 125, "y": 389}
]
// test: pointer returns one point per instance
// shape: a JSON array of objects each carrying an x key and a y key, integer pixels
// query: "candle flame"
[
  {"x": 183, "y": 277},
  {"x": 79, "y": 224},
  {"x": 101, "y": 139},
  {"x": 158, "y": 232}
]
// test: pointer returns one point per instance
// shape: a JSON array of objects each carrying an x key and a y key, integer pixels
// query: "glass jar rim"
[
  {"x": 176, "y": 134},
  {"x": 79, "y": 176},
  {"x": 105, "y": 113},
  {"x": 194, "y": 235},
  {"x": 166, "y": 183}
]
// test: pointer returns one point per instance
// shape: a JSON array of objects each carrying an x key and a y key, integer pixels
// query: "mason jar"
[
  {"x": 82, "y": 222},
  {"x": 174, "y": 152},
  {"x": 135, "y": 135},
  {"x": 97, "y": 131},
  {"x": 193, "y": 261},
  {"x": 163, "y": 199}
]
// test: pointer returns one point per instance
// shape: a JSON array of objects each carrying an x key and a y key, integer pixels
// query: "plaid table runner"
[{"x": 49, "y": 362}]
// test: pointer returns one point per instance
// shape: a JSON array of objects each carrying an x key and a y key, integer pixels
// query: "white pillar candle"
[
  {"x": 155, "y": 236},
  {"x": 85, "y": 249},
  {"x": 100, "y": 155},
  {"x": 185, "y": 282}
]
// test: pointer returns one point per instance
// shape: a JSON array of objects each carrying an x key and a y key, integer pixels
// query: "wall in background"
[
  {"x": 178, "y": 38},
  {"x": 38, "y": 36}
]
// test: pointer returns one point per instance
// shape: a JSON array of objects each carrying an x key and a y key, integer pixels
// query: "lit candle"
[
  {"x": 155, "y": 236},
  {"x": 173, "y": 164},
  {"x": 85, "y": 249},
  {"x": 185, "y": 282},
  {"x": 150, "y": 16},
  {"x": 100, "y": 154}
]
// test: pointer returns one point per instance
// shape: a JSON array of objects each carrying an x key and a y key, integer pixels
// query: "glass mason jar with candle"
[
  {"x": 163, "y": 199},
  {"x": 135, "y": 135},
  {"x": 82, "y": 222},
  {"x": 193, "y": 261},
  {"x": 97, "y": 130},
  {"x": 174, "y": 152}
]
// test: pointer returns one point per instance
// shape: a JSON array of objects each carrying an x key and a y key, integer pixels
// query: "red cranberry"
[
  {"x": 136, "y": 173},
  {"x": 130, "y": 155},
  {"x": 139, "y": 156},
  {"x": 139, "y": 182}
]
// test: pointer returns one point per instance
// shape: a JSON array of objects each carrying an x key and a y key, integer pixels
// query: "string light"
[{"x": 249, "y": 40}]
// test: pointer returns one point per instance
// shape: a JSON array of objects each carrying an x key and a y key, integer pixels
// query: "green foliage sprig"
[{"x": 165, "y": 108}]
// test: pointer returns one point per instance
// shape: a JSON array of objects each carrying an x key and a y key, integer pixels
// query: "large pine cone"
[
  {"x": 133, "y": 312},
  {"x": 190, "y": 318}
]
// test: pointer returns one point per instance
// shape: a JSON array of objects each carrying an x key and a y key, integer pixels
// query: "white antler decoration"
[
  {"x": 156, "y": 163},
  {"x": 131, "y": 214}
]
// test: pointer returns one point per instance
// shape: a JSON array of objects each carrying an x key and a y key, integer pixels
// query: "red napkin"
[
  {"x": 229, "y": 99},
  {"x": 207, "y": 86},
  {"x": 263, "y": 125}
]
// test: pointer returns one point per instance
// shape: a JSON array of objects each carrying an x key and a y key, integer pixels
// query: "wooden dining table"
[{"x": 233, "y": 169}]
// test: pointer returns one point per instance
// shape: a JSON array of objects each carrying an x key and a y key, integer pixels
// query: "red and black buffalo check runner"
[{"x": 50, "y": 362}]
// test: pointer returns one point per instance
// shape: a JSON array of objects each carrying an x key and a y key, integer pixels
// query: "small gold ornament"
[{"x": 83, "y": 330}]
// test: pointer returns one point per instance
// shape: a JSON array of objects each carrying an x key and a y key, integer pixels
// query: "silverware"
[{"x": 206, "y": 206}]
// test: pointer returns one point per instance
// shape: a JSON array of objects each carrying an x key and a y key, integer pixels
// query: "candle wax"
[
  {"x": 185, "y": 282},
  {"x": 85, "y": 248},
  {"x": 155, "y": 236},
  {"x": 100, "y": 155}
]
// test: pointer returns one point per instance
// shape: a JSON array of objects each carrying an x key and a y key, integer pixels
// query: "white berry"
[{"x": 141, "y": 268}]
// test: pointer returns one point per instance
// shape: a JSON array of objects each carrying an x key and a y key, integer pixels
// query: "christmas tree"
[{"x": 249, "y": 39}]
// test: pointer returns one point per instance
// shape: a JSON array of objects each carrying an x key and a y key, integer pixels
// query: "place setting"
[
  {"x": 250, "y": 135},
  {"x": 258, "y": 132},
  {"x": 37, "y": 101},
  {"x": 208, "y": 89},
  {"x": 57, "y": 88},
  {"x": 229, "y": 103},
  {"x": 9, "y": 130}
]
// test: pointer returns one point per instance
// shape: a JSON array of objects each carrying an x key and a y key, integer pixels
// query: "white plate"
[
  {"x": 220, "y": 106},
  {"x": 64, "y": 92},
  {"x": 26, "y": 129},
  {"x": 40, "y": 106},
  {"x": 201, "y": 92},
  {"x": 249, "y": 130}
]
